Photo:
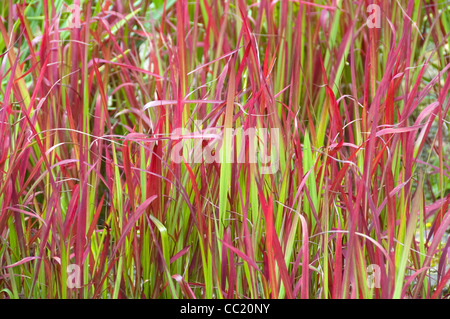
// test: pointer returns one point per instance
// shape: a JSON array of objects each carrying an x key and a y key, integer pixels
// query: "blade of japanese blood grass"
[
  {"x": 305, "y": 259},
  {"x": 250, "y": 205},
  {"x": 21, "y": 211},
  {"x": 279, "y": 257},
  {"x": 225, "y": 261},
  {"x": 95, "y": 218},
  {"x": 215, "y": 60},
  {"x": 337, "y": 272},
  {"x": 225, "y": 166},
  {"x": 269, "y": 245},
  {"x": 336, "y": 127},
  {"x": 325, "y": 241},
  {"x": 128, "y": 174},
  {"x": 181, "y": 50},
  {"x": 165, "y": 251},
  {"x": 117, "y": 200},
  {"x": 84, "y": 208},
  {"x": 21, "y": 262},
  {"x": 417, "y": 205},
  {"x": 179, "y": 254},
  {"x": 308, "y": 164},
  {"x": 273, "y": 249}
]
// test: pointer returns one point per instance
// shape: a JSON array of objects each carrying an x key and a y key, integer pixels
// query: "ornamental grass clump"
[{"x": 224, "y": 149}]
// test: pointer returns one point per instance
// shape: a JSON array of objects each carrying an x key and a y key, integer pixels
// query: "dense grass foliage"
[{"x": 92, "y": 106}]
